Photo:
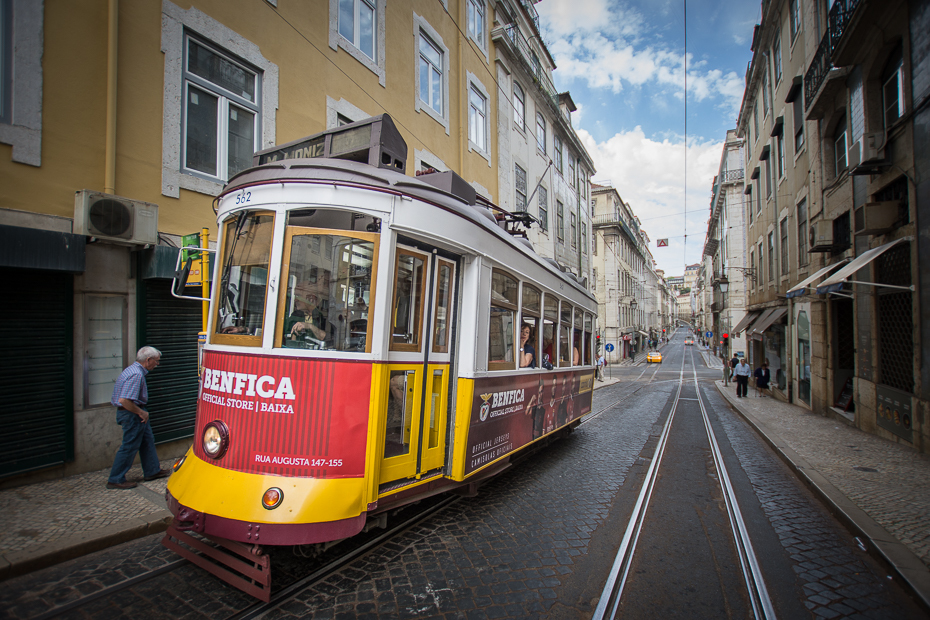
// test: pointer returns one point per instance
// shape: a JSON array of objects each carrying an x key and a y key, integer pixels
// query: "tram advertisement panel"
[
  {"x": 286, "y": 416},
  {"x": 510, "y": 412}
]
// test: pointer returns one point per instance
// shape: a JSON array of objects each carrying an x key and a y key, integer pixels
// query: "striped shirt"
[{"x": 131, "y": 386}]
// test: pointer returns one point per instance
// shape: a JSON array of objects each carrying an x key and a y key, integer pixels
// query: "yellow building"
[{"x": 159, "y": 103}]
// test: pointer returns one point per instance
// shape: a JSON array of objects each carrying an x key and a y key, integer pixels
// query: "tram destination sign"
[{"x": 374, "y": 141}]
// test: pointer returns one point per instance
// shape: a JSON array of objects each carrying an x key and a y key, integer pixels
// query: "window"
[
  {"x": 584, "y": 237},
  {"x": 893, "y": 88},
  {"x": 780, "y": 146},
  {"x": 537, "y": 66},
  {"x": 752, "y": 266},
  {"x": 477, "y": 119},
  {"x": 755, "y": 121},
  {"x": 766, "y": 98},
  {"x": 476, "y": 21},
  {"x": 104, "y": 346},
  {"x": 21, "y": 79},
  {"x": 358, "y": 23},
  {"x": 442, "y": 309},
  {"x": 839, "y": 147},
  {"x": 543, "y": 200},
  {"x": 560, "y": 221},
  {"x": 519, "y": 107},
  {"x": 769, "y": 178},
  {"x": 246, "y": 252},
  {"x": 541, "y": 132},
  {"x": 758, "y": 185},
  {"x": 325, "y": 303},
  {"x": 794, "y": 12},
  {"x": 557, "y": 148},
  {"x": 571, "y": 171},
  {"x": 573, "y": 230},
  {"x": 221, "y": 112},
  {"x": 531, "y": 313},
  {"x": 431, "y": 74},
  {"x": 761, "y": 264},
  {"x": 550, "y": 322},
  {"x": 784, "y": 247},
  {"x": 519, "y": 178},
  {"x": 776, "y": 53},
  {"x": 565, "y": 329},
  {"x": 501, "y": 326},
  {"x": 342, "y": 120},
  {"x": 802, "y": 232},
  {"x": 771, "y": 256},
  {"x": 798, "y": 123}
]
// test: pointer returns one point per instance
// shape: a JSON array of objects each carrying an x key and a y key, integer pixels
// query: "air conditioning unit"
[
  {"x": 875, "y": 218},
  {"x": 821, "y": 239},
  {"x": 865, "y": 156},
  {"x": 115, "y": 219}
]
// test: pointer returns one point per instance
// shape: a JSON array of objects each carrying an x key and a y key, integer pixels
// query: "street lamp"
[
  {"x": 723, "y": 283},
  {"x": 633, "y": 305}
]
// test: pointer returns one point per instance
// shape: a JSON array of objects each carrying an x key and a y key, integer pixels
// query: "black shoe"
[
  {"x": 121, "y": 485},
  {"x": 162, "y": 473}
]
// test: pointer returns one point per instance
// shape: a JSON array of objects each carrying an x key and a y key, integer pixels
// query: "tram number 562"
[{"x": 243, "y": 197}]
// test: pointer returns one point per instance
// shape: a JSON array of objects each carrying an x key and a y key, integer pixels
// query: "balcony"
[
  {"x": 510, "y": 39},
  {"x": 822, "y": 78},
  {"x": 732, "y": 176}
]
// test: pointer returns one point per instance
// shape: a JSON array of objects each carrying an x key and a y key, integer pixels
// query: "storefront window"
[
  {"x": 775, "y": 354},
  {"x": 804, "y": 357}
]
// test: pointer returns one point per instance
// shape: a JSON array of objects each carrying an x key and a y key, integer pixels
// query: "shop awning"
[
  {"x": 745, "y": 321},
  {"x": 644, "y": 334},
  {"x": 765, "y": 322},
  {"x": 837, "y": 280},
  {"x": 798, "y": 290}
]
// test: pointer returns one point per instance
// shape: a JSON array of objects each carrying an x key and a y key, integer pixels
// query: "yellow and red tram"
[{"x": 364, "y": 346}]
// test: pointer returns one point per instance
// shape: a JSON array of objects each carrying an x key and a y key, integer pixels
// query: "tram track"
[{"x": 611, "y": 596}]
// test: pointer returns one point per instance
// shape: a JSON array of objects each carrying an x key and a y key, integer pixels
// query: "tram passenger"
[{"x": 527, "y": 352}]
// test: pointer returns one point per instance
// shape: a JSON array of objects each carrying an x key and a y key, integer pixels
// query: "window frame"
[
  {"x": 839, "y": 133},
  {"x": 541, "y": 132},
  {"x": 776, "y": 59},
  {"x": 22, "y": 127},
  {"x": 783, "y": 242},
  {"x": 474, "y": 8},
  {"x": 560, "y": 220},
  {"x": 477, "y": 88},
  {"x": 557, "y": 152},
  {"x": 519, "y": 196},
  {"x": 338, "y": 41},
  {"x": 519, "y": 112},
  {"x": 422, "y": 29},
  {"x": 794, "y": 12},
  {"x": 225, "y": 100},
  {"x": 803, "y": 257},
  {"x": 573, "y": 227},
  {"x": 514, "y": 307},
  {"x": 771, "y": 252},
  {"x": 896, "y": 76},
  {"x": 798, "y": 109},
  {"x": 542, "y": 203}
]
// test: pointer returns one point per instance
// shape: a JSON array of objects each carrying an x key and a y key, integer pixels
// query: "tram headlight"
[
  {"x": 272, "y": 498},
  {"x": 215, "y": 439}
]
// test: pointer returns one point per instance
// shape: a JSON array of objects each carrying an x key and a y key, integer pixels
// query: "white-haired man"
[{"x": 130, "y": 396}]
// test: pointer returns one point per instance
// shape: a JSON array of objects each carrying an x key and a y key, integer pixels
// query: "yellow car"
[{"x": 654, "y": 356}]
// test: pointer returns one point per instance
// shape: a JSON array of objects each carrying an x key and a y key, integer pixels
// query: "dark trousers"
[{"x": 742, "y": 385}]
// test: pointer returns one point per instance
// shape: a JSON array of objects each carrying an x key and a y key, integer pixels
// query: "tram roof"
[{"x": 346, "y": 172}]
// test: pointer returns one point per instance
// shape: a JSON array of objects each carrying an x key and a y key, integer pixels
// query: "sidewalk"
[
  {"x": 879, "y": 489},
  {"x": 51, "y": 522}
]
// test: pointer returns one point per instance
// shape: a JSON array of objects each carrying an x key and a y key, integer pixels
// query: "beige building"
[
  {"x": 837, "y": 226},
  {"x": 158, "y": 104}
]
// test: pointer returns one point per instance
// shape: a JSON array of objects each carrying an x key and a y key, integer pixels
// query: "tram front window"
[
  {"x": 328, "y": 291},
  {"x": 240, "y": 309}
]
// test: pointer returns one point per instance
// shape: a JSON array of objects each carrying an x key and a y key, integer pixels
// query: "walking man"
[
  {"x": 130, "y": 395},
  {"x": 600, "y": 368},
  {"x": 742, "y": 372}
]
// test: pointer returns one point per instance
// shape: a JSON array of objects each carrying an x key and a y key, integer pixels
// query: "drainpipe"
[{"x": 109, "y": 181}]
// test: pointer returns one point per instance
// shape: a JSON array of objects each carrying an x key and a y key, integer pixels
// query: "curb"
[
  {"x": 19, "y": 563},
  {"x": 884, "y": 547}
]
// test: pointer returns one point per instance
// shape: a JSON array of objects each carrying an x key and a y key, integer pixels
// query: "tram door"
[{"x": 418, "y": 372}]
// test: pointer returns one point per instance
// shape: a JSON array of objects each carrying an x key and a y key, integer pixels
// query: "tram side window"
[
  {"x": 530, "y": 311},
  {"x": 443, "y": 306},
  {"x": 565, "y": 330},
  {"x": 588, "y": 339},
  {"x": 325, "y": 302},
  {"x": 577, "y": 338},
  {"x": 550, "y": 324},
  {"x": 407, "y": 310},
  {"x": 240, "y": 308},
  {"x": 501, "y": 327}
]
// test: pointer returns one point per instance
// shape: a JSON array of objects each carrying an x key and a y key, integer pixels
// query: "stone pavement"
[
  {"x": 878, "y": 488},
  {"x": 57, "y": 520}
]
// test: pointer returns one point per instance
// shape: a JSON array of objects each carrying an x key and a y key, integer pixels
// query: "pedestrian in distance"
[
  {"x": 763, "y": 376},
  {"x": 733, "y": 364},
  {"x": 130, "y": 396},
  {"x": 600, "y": 367},
  {"x": 742, "y": 372}
]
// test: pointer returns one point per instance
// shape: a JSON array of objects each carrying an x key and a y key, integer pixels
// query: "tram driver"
[{"x": 309, "y": 317}]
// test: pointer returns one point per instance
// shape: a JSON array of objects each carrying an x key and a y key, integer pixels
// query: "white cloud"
[
  {"x": 611, "y": 47},
  {"x": 650, "y": 176}
]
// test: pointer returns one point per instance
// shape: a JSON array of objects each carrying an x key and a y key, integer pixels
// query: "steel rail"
[
  {"x": 613, "y": 589},
  {"x": 752, "y": 574}
]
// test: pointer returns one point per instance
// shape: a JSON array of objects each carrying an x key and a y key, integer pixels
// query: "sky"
[{"x": 623, "y": 63}]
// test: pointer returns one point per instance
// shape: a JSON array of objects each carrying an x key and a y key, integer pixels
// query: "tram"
[{"x": 374, "y": 338}]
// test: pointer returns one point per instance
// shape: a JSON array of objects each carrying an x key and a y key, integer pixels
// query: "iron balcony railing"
[
  {"x": 532, "y": 63},
  {"x": 840, "y": 15},
  {"x": 730, "y": 176}
]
